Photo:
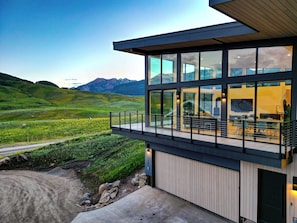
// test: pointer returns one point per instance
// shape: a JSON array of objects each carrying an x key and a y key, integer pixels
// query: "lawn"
[{"x": 15, "y": 132}]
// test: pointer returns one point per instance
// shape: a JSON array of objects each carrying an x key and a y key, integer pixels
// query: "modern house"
[{"x": 220, "y": 111}]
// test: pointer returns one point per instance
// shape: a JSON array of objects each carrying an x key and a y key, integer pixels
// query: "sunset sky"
[{"x": 69, "y": 42}]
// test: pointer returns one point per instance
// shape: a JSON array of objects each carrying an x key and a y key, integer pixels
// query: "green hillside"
[{"x": 24, "y": 100}]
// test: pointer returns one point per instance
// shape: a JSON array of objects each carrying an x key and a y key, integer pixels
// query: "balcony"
[{"x": 264, "y": 141}]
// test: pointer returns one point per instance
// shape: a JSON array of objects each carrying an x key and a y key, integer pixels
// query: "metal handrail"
[{"x": 280, "y": 133}]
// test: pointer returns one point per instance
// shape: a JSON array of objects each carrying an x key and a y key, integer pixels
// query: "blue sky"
[{"x": 70, "y": 41}]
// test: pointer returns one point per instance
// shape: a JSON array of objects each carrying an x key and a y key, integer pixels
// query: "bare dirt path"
[{"x": 28, "y": 196}]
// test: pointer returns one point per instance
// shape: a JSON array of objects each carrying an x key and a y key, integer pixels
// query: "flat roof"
[
  {"x": 256, "y": 20},
  {"x": 209, "y": 35}
]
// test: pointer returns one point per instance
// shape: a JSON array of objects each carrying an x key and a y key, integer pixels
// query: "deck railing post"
[
  {"x": 110, "y": 121},
  {"x": 155, "y": 125},
  {"x": 280, "y": 140},
  {"x": 243, "y": 136},
  {"x": 191, "y": 128},
  {"x": 216, "y": 133},
  {"x": 125, "y": 118},
  {"x": 142, "y": 124},
  {"x": 130, "y": 120},
  {"x": 136, "y": 116},
  {"x": 172, "y": 127},
  {"x": 120, "y": 120}
]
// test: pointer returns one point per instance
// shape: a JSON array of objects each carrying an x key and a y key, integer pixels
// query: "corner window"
[
  {"x": 210, "y": 65},
  {"x": 274, "y": 59},
  {"x": 154, "y": 70},
  {"x": 162, "y": 69},
  {"x": 190, "y": 66},
  {"x": 241, "y": 62}
]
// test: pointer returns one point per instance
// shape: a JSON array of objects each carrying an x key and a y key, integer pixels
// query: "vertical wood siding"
[
  {"x": 249, "y": 189},
  {"x": 211, "y": 187}
]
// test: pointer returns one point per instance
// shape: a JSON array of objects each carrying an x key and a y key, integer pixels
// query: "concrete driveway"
[{"x": 149, "y": 205}]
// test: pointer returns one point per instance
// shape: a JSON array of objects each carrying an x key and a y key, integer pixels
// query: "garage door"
[{"x": 211, "y": 187}]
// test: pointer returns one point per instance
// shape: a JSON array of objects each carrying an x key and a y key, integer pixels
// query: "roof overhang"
[
  {"x": 256, "y": 20},
  {"x": 271, "y": 18},
  {"x": 210, "y": 35}
]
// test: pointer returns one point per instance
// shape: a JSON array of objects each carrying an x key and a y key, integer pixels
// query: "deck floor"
[{"x": 249, "y": 143}]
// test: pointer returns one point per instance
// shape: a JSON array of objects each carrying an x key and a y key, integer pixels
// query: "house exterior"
[{"x": 220, "y": 111}]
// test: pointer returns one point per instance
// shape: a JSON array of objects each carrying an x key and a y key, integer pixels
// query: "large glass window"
[
  {"x": 210, "y": 101},
  {"x": 189, "y": 101},
  {"x": 241, "y": 107},
  {"x": 242, "y": 62},
  {"x": 169, "y": 68},
  {"x": 210, "y": 65},
  {"x": 274, "y": 100},
  {"x": 275, "y": 59},
  {"x": 154, "y": 72},
  {"x": 155, "y": 102},
  {"x": 190, "y": 66},
  {"x": 162, "y": 69},
  {"x": 163, "y": 108}
]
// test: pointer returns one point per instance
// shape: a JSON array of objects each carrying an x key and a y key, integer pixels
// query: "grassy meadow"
[
  {"x": 16, "y": 132},
  {"x": 32, "y": 113}
]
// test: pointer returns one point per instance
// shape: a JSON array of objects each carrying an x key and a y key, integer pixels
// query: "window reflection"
[
  {"x": 154, "y": 72},
  {"x": 189, "y": 98},
  {"x": 210, "y": 101},
  {"x": 169, "y": 68},
  {"x": 275, "y": 59},
  {"x": 210, "y": 65},
  {"x": 190, "y": 66},
  {"x": 242, "y": 62}
]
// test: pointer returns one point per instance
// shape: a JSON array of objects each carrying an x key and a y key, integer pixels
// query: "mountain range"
[
  {"x": 118, "y": 86},
  {"x": 22, "y": 99}
]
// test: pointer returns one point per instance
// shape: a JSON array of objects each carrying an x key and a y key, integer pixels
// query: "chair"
[
  {"x": 262, "y": 127},
  {"x": 238, "y": 125}
]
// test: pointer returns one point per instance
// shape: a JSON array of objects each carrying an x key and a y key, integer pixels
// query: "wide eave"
[{"x": 256, "y": 20}]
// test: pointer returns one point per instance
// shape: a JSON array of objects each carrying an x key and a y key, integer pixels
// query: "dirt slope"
[{"x": 28, "y": 196}]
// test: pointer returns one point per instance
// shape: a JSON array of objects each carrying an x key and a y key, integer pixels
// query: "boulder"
[
  {"x": 86, "y": 200},
  {"x": 105, "y": 197},
  {"x": 116, "y": 183},
  {"x": 113, "y": 192},
  {"x": 135, "y": 181},
  {"x": 102, "y": 188},
  {"x": 4, "y": 161},
  {"x": 139, "y": 180}
]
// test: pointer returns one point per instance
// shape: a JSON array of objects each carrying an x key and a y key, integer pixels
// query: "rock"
[
  {"x": 102, "y": 188},
  {"x": 105, "y": 197},
  {"x": 142, "y": 183},
  {"x": 85, "y": 203},
  {"x": 143, "y": 176},
  {"x": 108, "y": 192},
  {"x": 23, "y": 157},
  {"x": 135, "y": 181},
  {"x": 116, "y": 183},
  {"x": 86, "y": 196},
  {"x": 113, "y": 192},
  {"x": 4, "y": 161},
  {"x": 86, "y": 200},
  {"x": 139, "y": 180},
  {"x": 109, "y": 186}
]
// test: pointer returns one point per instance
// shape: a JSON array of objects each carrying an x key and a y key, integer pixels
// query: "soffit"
[{"x": 271, "y": 18}]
